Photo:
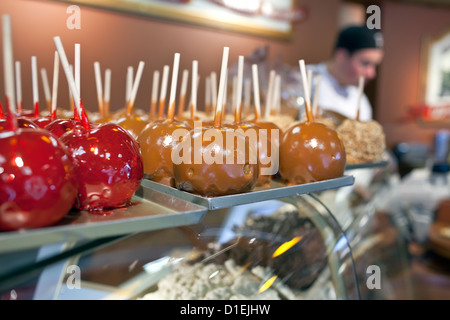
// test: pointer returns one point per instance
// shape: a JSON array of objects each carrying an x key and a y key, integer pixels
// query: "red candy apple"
[
  {"x": 37, "y": 182},
  {"x": 60, "y": 126},
  {"x": 108, "y": 164},
  {"x": 42, "y": 122}
]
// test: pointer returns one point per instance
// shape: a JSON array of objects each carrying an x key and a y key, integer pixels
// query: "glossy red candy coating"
[
  {"x": 21, "y": 123},
  {"x": 60, "y": 126},
  {"x": 27, "y": 114},
  {"x": 37, "y": 182},
  {"x": 42, "y": 122},
  {"x": 108, "y": 165}
]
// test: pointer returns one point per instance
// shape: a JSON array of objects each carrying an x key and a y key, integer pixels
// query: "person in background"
[{"x": 357, "y": 52}]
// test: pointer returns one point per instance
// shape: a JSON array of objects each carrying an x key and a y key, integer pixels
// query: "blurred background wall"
[{"x": 118, "y": 40}]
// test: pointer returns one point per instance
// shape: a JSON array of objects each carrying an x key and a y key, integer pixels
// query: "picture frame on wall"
[
  {"x": 268, "y": 18},
  {"x": 436, "y": 77}
]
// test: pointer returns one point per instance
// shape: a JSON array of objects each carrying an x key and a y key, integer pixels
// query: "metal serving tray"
[
  {"x": 275, "y": 190},
  {"x": 150, "y": 210},
  {"x": 367, "y": 165}
]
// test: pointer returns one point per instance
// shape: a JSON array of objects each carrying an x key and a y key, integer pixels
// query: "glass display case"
[
  {"x": 279, "y": 249},
  {"x": 379, "y": 245},
  {"x": 277, "y": 242}
]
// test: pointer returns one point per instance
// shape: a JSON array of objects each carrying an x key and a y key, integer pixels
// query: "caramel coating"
[
  {"x": 309, "y": 152},
  {"x": 157, "y": 141},
  {"x": 267, "y": 152},
  {"x": 216, "y": 167},
  {"x": 269, "y": 126},
  {"x": 133, "y": 124}
]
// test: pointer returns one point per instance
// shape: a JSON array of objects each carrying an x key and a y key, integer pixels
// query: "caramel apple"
[
  {"x": 215, "y": 168},
  {"x": 157, "y": 140},
  {"x": 257, "y": 135},
  {"x": 132, "y": 123},
  {"x": 37, "y": 182},
  {"x": 215, "y": 160},
  {"x": 310, "y": 151}
]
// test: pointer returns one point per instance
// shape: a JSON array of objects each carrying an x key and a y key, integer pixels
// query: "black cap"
[{"x": 354, "y": 38}]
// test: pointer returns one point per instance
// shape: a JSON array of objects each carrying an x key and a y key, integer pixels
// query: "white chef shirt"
[{"x": 337, "y": 98}]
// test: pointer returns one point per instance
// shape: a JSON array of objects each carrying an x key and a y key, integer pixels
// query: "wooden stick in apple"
[
  {"x": 208, "y": 95},
  {"x": 239, "y": 81},
  {"x": 99, "y": 87},
  {"x": 55, "y": 86},
  {"x": 310, "y": 151},
  {"x": 276, "y": 104},
  {"x": 128, "y": 84},
  {"x": 46, "y": 86},
  {"x": 224, "y": 99},
  {"x": 71, "y": 81},
  {"x": 19, "y": 88},
  {"x": 163, "y": 92},
  {"x": 107, "y": 93},
  {"x": 213, "y": 77},
  {"x": 360, "y": 93},
  {"x": 135, "y": 87},
  {"x": 269, "y": 95},
  {"x": 194, "y": 89},
  {"x": 247, "y": 97},
  {"x": 173, "y": 87},
  {"x": 315, "y": 106},
  {"x": 35, "y": 85},
  {"x": 8, "y": 64},
  {"x": 130, "y": 121},
  {"x": 59, "y": 126},
  {"x": 307, "y": 90},
  {"x": 256, "y": 97},
  {"x": 77, "y": 68},
  {"x": 154, "y": 97},
  {"x": 222, "y": 88},
  {"x": 158, "y": 138},
  {"x": 71, "y": 101},
  {"x": 183, "y": 90},
  {"x": 215, "y": 167},
  {"x": 106, "y": 146}
]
